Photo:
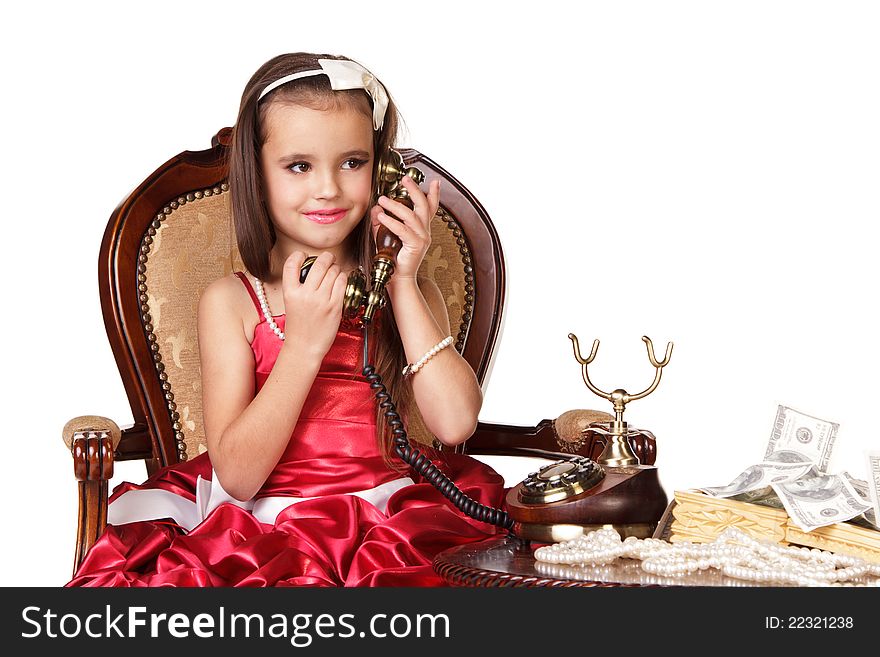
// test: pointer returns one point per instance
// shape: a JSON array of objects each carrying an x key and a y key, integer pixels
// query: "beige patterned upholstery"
[{"x": 194, "y": 245}]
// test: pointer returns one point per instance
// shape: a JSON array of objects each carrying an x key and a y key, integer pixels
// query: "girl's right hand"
[{"x": 313, "y": 308}]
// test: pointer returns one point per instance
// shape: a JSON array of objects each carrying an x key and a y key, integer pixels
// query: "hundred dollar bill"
[
  {"x": 821, "y": 500},
  {"x": 859, "y": 485},
  {"x": 798, "y": 437},
  {"x": 862, "y": 488},
  {"x": 762, "y": 496},
  {"x": 759, "y": 476}
]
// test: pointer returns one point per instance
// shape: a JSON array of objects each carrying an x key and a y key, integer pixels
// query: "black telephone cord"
[{"x": 421, "y": 463}]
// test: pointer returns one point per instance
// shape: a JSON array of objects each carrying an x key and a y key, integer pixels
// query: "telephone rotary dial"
[{"x": 558, "y": 481}]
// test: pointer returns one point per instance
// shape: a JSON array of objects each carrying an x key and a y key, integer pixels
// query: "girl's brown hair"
[{"x": 255, "y": 233}]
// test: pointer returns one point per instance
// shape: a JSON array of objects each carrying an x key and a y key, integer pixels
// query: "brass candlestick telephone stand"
[{"x": 571, "y": 497}]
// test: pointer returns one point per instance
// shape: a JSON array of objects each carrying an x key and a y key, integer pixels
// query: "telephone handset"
[
  {"x": 362, "y": 301},
  {"x": 362, "y": 297}
]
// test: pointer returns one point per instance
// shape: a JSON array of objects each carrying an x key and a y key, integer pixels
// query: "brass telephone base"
[
  {"x": 559, "y": 533},
  {"x": 629, "y": 498}
]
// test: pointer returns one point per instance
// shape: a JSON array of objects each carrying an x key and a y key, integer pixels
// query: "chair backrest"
[{"x": 173, "y": 235}]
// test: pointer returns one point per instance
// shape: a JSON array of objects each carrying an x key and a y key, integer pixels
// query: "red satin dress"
[{"x": 332, "y": 513}]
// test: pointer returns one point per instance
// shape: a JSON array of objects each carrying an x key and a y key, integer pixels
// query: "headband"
[{"x": 344, "y": 74}]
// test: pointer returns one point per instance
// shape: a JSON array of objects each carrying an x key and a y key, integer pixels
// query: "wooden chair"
[{"x": 171, "y": 237}]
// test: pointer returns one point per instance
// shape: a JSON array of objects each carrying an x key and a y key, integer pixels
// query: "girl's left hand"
[{"x": 412, "y": 227}]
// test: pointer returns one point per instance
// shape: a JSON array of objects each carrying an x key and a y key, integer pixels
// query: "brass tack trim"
[
  {"x": 464, "y": 250},
  {"x": 143, "y": 297}
]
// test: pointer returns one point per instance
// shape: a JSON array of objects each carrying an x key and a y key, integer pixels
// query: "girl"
[{"x": 300, "y": 485}]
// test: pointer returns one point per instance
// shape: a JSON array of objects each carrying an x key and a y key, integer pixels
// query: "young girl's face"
[{"x": 317, "y": 170}]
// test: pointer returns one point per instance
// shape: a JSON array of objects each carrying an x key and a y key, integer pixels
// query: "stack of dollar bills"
[{"x": 794, "y": 476}]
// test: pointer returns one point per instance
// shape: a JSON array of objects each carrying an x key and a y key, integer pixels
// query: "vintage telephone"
[
  {"x": 568, "y": 498},
  {"x": 563, "y": 499}
]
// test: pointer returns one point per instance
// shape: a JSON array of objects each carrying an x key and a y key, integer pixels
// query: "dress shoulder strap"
[{"x": 250, "y": 289}]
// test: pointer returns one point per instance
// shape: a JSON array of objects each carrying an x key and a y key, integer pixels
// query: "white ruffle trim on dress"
[{"x": 153, "y": 504}]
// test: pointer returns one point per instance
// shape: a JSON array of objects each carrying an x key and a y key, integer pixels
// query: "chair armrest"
[
  {"x": 96, "y": 443},
  {"x": 92, "y": 441},
  {"x": 554, "y": 439},
  {"x": 90, "y": 423}
]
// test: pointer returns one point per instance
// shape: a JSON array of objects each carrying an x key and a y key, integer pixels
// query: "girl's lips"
[{"x": 326, "y": 216}]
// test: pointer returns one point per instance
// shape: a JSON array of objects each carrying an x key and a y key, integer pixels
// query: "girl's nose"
[{"x": 326, "y": 185}]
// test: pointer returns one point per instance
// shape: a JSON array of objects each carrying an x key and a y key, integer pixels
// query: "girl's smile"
[{"x": 330, "y": 216}]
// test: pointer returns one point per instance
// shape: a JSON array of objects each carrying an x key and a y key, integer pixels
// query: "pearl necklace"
[
  {"x": 734, "y": 553},
  {"x": 264, "y": 306}
]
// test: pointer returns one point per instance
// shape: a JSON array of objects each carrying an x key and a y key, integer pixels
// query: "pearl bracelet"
[{"x": 411, "y": 369}]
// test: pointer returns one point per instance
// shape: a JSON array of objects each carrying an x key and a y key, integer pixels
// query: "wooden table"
[{"x": 507, "y": 561}]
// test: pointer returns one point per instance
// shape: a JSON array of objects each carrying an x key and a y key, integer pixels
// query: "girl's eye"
[
  {"x": 353, "y": 163},
  {"x": 299, "y": 167}
]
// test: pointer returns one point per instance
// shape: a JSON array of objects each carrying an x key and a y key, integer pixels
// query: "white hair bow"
[{"x": 344, "y": 74}]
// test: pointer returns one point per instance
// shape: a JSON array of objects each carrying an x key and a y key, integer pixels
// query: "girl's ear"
[{"x": 374, "y": 220}]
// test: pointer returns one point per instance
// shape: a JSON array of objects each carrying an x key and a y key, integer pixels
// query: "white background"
[{"x": 699, "y": 172}]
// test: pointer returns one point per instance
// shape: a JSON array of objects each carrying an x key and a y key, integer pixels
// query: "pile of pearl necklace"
[
  {"x": 264, "y": 306},
  {"x": 734, "y": 553}
]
